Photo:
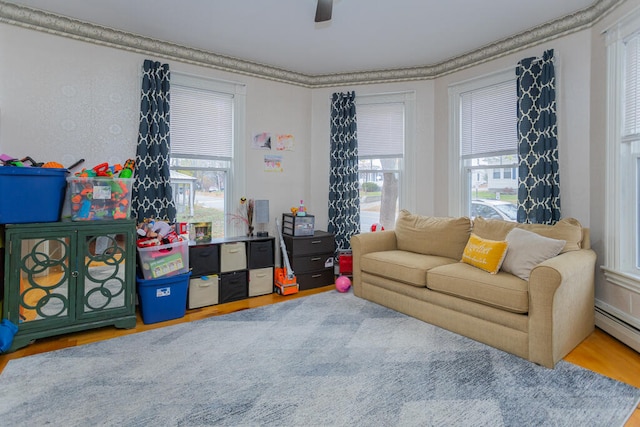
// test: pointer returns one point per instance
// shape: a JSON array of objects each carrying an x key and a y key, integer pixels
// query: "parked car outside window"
[{"x": 494, "y": 209}]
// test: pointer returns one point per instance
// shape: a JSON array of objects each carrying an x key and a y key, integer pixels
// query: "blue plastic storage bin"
[
  {"x": 31, "y": 194},
  {"x": 163, "y": 299}
]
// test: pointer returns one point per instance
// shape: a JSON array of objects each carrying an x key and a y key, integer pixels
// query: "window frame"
[
  {"x": 235, "y": 187},
  {"x": 622, "y": 214},
  {"x": 460, "y": 188}
]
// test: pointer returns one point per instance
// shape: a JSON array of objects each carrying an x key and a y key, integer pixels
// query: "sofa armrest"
[
  {"x": 561, "y": 305},
  {"x": 365, "y": 243}
]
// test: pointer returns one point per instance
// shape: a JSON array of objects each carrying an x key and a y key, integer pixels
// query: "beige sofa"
[{"x": 417, "y": 269}]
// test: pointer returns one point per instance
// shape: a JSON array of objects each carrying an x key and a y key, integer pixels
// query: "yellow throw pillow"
[{"x": 485, "y": 254}]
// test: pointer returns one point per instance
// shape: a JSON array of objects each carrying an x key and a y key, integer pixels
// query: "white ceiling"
[{"x": 364, "y": 35}]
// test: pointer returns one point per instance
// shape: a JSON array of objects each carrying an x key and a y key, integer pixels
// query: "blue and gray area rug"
[{"x": 329, "y": 359}]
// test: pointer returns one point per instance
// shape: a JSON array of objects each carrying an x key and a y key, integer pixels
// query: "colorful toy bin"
[
  {"x": 163, "y": 299},
  {"x": 31, "y": 194},
  {"x": 99, "y": 198},
  {"x": 164, "y": 260}
]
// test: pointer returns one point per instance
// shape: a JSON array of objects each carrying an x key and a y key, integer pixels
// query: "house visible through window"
[
  {"x": 381, "y": 147},
  {"x": 202, "y": 132},
  {"x": 484, "y": 143}
]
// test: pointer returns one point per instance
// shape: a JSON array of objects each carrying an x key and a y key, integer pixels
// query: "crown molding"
[{"x": 63, "y": 26}]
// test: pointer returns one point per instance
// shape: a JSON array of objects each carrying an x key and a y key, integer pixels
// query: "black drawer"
[
  {"x": 204, "y": 260},
  {"x": 315, "y": 279},
  {"x": 320, "y": 242},
  {"x": 261, "y": 254},
  {"x": 233, "y": 286},
  {"x": 304, "y": 264}
]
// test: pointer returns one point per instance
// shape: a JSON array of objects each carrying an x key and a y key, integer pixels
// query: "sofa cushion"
[
  {"x": 567, "y": 229},
  {"x": 438, "y": 236},
  {"x": 406, "y": 267},
  {"x": 502, "y": 290},
  {"x": 528, "y": 249},
  {"x": 484, "y": 253}
]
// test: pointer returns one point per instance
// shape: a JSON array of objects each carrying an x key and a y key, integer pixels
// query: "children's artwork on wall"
[
  {"x": 273, "y": 163},
  {"x": 261, "y": 141},
  {"x": 285, "y": 142}
]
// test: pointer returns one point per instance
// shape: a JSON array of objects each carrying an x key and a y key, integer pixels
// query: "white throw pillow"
[{"x": 528, "y": 249}]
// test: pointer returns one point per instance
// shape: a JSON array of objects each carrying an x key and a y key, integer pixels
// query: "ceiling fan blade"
[{"x": 323, "y": 10}]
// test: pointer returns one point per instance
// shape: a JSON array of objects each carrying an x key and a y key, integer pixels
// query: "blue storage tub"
[
  {"x": 163, "y": 299},
  {"x": 31, "y": 194}
]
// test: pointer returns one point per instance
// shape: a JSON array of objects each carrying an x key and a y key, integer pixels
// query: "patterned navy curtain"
[
  {"x": 344, "y": 204},
  {"x": 152, "y": 196},
  {"x": 538, "y": 175}
]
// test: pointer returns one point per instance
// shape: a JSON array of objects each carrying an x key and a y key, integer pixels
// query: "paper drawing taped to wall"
[
  {"x": 273, "y": 164},
  {"x": 261, "y": 141},
  {"x": 285, "y": 142}
]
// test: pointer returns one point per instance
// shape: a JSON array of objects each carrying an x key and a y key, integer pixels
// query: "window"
[
  {"x": 622, "y": 263},
  {"x": 484, "y": 144},
  {"x": 205, "y": 116},
  {"x": 382, "y": 135}
]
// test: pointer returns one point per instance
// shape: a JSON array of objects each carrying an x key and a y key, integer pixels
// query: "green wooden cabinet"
[{"x": 69, "y": 276}]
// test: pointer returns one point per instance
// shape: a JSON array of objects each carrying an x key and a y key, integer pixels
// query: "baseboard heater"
[{"x": 618, "y": 328}]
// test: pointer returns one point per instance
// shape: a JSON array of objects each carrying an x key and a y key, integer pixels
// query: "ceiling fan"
[{"x": 323, "y": 10}]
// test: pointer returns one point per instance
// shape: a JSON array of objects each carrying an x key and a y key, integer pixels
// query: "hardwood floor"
[{"x": 599, "y": 352}]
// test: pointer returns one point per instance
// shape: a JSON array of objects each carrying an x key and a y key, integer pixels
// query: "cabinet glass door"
[
  {"x": 103, "y": 276},
  {"x": 44, "y": 277}
]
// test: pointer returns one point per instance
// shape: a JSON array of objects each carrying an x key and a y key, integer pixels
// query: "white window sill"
[{"x": 622, "y": 279}]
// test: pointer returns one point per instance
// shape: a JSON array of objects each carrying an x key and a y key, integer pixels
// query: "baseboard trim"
[{"x": 618, "y": 328}]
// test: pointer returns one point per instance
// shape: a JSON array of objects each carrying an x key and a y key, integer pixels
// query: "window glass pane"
[
  {"x": 488, "y": 147},
  {"x": 637, "y": 207},
  {"x": 201, "y": 154},
  {"x": 380, "y": 130},
  {"x": 488, "y": 120},
  {"x": 631, "y": 117},
  {"x": 380, "y": 153},
  {"x": 201, "y": 122},
  {"x": 493, "y": 194}
]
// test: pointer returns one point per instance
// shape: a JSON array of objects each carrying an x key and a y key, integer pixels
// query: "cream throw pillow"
[
  {"x": 528, "y": 249},
  {"x": 429, "y": 235},
  {"x": 567, "y": 229},
  {"x": 485, "y": 254}
]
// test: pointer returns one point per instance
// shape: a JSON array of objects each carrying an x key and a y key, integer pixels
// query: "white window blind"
[
  {"x": 488, "y": 121},
  {"x": 380, "y": 130},
  {"x": 201, "y": 123},
  {"x": 631, "y": 117}
]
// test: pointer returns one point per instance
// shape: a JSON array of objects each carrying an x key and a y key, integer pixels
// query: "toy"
[
  {"x": 302, "y": 210},
  {"x": 343, "y": 284},
  {"x": 154, "y": 233},
  {"x": 53, "y": 165},
  {"x": 377, "y": 227},
  {"x": 285, "y": 279},
  {"x": 127, "y": 169}
]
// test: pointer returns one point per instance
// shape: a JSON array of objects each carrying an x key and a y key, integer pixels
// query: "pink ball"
[{"x": 343, "y": 284}]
